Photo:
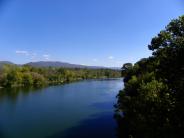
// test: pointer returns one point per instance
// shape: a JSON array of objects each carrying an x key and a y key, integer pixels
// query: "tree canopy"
[
  {"x": 151, "y": 103},
  {"x": 12, "y": 75}
]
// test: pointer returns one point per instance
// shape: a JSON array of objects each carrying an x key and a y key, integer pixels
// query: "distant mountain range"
[
  {"x": 5, "y": 62},
  {"x": 57, "y": 64}
]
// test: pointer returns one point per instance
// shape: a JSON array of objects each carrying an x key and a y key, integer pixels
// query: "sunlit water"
[{"x": 81, "y": 109}]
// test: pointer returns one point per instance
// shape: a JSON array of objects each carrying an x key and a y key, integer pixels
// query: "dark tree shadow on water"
[
  {"x": 97, "y": 126},
  {"x": 1, "y": 132}
]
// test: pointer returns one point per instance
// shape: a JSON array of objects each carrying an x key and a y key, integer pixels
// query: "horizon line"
[{"x": 60, "y": 62}]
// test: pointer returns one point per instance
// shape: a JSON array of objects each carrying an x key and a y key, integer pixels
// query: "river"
[{"x": 77, "y": 110}]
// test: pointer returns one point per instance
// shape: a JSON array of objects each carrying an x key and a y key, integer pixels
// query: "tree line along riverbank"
[{"x": 23, "y": 76}]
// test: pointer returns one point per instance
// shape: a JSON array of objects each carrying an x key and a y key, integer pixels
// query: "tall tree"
[{"x": 153, "y": 98}]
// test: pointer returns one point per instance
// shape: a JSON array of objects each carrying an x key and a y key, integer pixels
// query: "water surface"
[{"x": 81, "y": 109}]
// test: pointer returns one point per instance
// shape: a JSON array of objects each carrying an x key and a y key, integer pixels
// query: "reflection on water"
[
  {"x": 78, "y": 109},
  {"x": 13, "y": 93}
]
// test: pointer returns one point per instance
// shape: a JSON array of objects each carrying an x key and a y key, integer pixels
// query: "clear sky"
[{"x": 90, "y": 32}]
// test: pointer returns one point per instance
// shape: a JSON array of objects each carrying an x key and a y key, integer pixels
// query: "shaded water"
[{"x": 80, "y": 109}]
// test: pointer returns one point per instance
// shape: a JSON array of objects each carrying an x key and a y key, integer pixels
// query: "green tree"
[
  {"x": 38, "y": 79},
  {"x": 153, "y": 98},
  {"x": 27, "y": 79}
]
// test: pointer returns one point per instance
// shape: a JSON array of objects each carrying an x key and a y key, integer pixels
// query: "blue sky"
[{"x": 90, "y": 32}]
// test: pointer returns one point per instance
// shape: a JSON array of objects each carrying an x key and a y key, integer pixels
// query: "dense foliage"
[
  {"x": 152, "y": 101},
  {"x": 11, "y": 75}
]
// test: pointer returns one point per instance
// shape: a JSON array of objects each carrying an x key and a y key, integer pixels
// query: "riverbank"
[
  {"x": 59, "y": 83},
  {"x": 15, "y": 76}
]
